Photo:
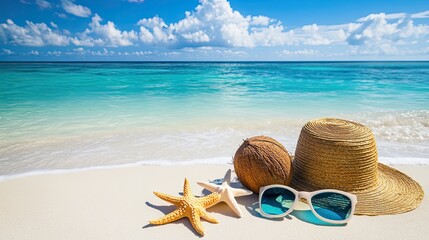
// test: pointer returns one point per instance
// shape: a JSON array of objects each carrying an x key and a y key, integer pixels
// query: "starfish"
[
  {"x": 188, "y": 206},
  {"x": 226, "y": 192}
]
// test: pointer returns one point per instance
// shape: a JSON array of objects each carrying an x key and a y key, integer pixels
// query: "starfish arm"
[
  {"x": 209, "y": 186},
  {"x": 208, "y": 200},
  {"x": 187, "y": 189},
  {"x": 239, "y": 192},
  {"x": 227, "y": 177},
  {"x": 188, "y": 206},
  {"x": 194, "y": 218},
  {"x": 232, "y": 203},
  {"x": 168, "y": 198},
  {"x": 171, "y": 217},
  {"x": 208, "y": 218}
]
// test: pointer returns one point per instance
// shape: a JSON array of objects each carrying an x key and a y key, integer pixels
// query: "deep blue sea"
[{"x": 78, "y": 115}]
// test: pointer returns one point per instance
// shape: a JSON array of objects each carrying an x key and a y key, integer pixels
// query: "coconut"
[{"x": 261, "y": 161}]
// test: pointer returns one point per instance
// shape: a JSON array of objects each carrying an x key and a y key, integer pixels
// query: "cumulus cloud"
[
  {"x": 43, "y": 4},
  {"x": 384, "y": 32},
  {"x": 154, "y": 30},
  {"x": 260, "y": 21},
  {"x": 104, "y": 35},
  {"x": 32, "y": 34},
  {"x": 77, "y": 10},
  {"x": 40, "y": 34},
  {"x": 214, "y": 23},
  {"x": 379, "y": 26}
]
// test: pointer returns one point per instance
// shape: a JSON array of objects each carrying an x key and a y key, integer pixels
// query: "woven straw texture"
[{"x": 340, "y": 154}]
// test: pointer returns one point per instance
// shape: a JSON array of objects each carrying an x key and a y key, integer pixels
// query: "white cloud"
[
  {"x": 82, "y": 51},
  {"x": 33, "y": 52},
  {"x": 77, "y": 10},
  {"x": 214, "y": 23},
  {"x": 301, "y": 52},
  {"x": 53, "y": 24},
  {"x": 374, "y": 50},
  {"x": 142, "y": 53},
  {"x": 424, "y": 14},
  {"x": 154, "y": 30},
  {"x": 318, "y": 35},
  {"x": 396, "y": 15},
  {"x": 79, "y": 50},
  {"x": 32, "y": 34},
  {"x": 229, "y": 52},
  {"x": 61, "y": 15},
  {"x": 105, "y": 52},
  {"x": 136, "y": 1},
  {"x": 196, "y": 37},
  {"x": 83, "y": 40},
  {"x": 383, "y": 33},
  {"x": 8, "y": 52},
  {"x": 172, "y": 53},
  {"x": 104, "y": 35},
  {"x": 213, "y": 52},
  {"x": 43, "y": 4},
  {"x": 260, "y": 21},
  {"x": 54, "y": 53},
  {"x": 66, "y": 32},
  {"x": 391, "y": 16}
]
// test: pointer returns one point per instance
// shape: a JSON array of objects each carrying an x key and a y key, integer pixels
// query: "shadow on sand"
[
  {"x": 167, "y": 210},
  {"x": 252, "y": 206}
]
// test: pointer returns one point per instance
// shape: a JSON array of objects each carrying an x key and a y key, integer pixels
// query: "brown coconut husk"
[{"x": 261, "y": 161}]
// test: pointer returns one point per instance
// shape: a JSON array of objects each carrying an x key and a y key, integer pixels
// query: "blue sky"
[{"x": 219, "y": 30}]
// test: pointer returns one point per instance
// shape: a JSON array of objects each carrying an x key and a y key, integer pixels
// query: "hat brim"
[{"x": 394, "y": 193}]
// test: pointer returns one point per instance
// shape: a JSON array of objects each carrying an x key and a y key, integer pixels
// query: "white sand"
[{"x": 118, "y": 203}]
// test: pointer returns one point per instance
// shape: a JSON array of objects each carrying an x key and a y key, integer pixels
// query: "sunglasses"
[{"x": 328, "y": 205}]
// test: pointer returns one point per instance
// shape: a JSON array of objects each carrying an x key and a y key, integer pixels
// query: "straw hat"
[{"x": 340, "y": 154}]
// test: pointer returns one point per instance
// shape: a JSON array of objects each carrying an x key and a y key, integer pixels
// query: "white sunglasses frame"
[{"x": 307, "y": 196}]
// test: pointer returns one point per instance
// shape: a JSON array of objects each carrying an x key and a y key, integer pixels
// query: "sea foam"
[{"x": 78, "y": 116}]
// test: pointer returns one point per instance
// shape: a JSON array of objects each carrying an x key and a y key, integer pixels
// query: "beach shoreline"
[
  {"x": 117, "y": 203},
  {"x": 77, "y": 115}
]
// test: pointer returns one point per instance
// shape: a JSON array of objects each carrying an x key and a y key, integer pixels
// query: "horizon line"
[{"x": 207, "y": 61}]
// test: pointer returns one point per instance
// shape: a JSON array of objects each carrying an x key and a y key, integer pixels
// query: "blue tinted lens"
[
  {"x": 332, "y": 206},
  {"x": 275, "y": 201}
]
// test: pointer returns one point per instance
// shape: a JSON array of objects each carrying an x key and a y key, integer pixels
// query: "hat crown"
[{"x": 336, "y": 153}]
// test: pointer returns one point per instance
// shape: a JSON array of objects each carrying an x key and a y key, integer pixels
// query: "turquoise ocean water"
[{"x": 78, "y": 115}]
